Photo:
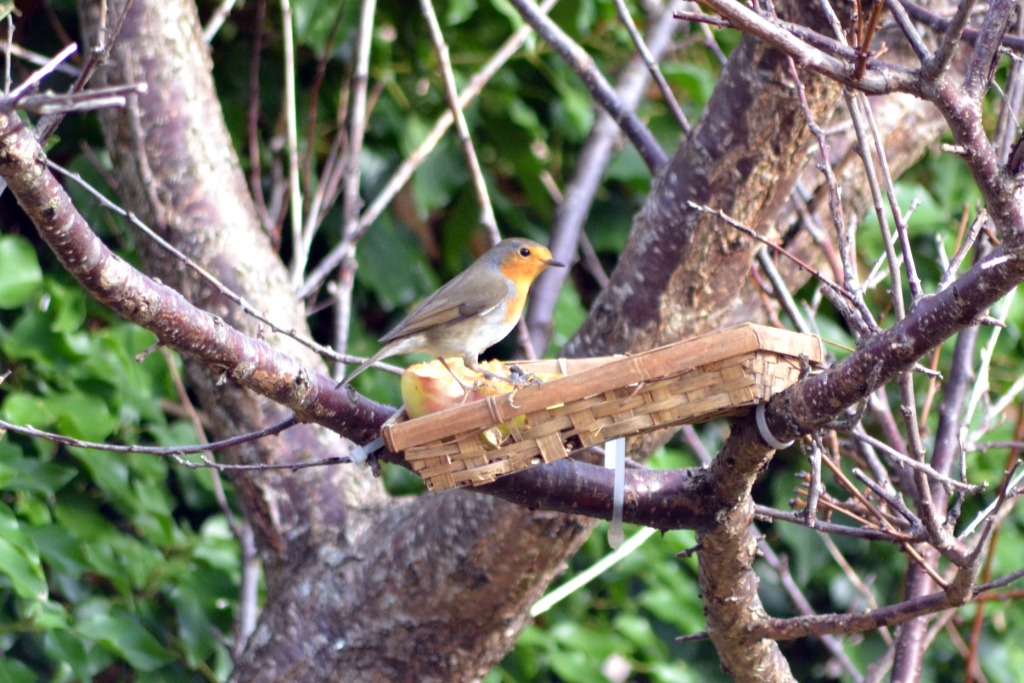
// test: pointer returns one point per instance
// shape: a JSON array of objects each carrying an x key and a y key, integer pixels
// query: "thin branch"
[
  {"x": 963, "y": 250},
  {"x": 300, "y": 254},
  {"x": 39, "y": 74},
  {"x": 823, "y": 624},
  {"x": 774, "y": 247},
  {"x": 451, "y": 89},
  {"x": 986, "y": 49},
  {"x": 865, "y": 150},
  {"x": 915, "y": 464},
  {"x": 909, "y": 31},
  {"x": 880, "y": 78},
  {"x": 893, "y": 501},
  {"x": 199, "y": 270},
  {"x": 913, "y": 280},
  {"x": 252, "y": 119},
  {"x": 217, "y": 19},
  {"x": 831, "y": 643},
  {"x": 11, "y": 49},
  {"x": 831, "y": 528},
  {"x": 781, "y": 290},
  {"x": 568, "y": 238},
  {"x": 173, "y": 452},
  {"x": 51, "y": 104},
  {"x": 866, "y": 322},
  {"x": 652, "y": 65},
  {"x": 352, "y": 203},
  {"x": 583, "y": 64}
]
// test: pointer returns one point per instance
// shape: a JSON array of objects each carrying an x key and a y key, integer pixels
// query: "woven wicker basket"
[{"x": 715, "y": 375}]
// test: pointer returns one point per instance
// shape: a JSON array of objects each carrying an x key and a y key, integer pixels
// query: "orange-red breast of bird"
[{"x": 522, "y": 272}]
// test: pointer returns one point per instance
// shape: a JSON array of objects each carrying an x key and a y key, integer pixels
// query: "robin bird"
[{"x": 471, "y": 312}]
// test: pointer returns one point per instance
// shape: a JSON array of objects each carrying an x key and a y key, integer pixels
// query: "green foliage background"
[{"x": 125, "y": 568}]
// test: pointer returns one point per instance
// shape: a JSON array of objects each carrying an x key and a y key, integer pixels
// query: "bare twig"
[
  {"x": 914, "y": 464},
  {"x": 902, "y": 229},
  {"x": 11, "y": 49},
  {"x": 39, "y": 74},
  {"x": 652, "y": 65},
  {"x": 300, "y": 253},
  {"x": 583, "y": 64},
  {"x": 217, "y": 19},
  {"x": 831, "y": 528},
  {"x": 909, "y": 30},
  {"x": 487, "y": 218},
  {"x": 781, "y": 290},
  {"x": 173, "y": 452},
  {"x": 881, "y": 78},
  {"x": 567, "y": 233},
  {"x": 986, "y": 48},
  {"x": 963, "y": 250},
  {"x": 252, "y": 117},
  {"x": 352, "y": 180},
  {"x": 199, "y": 270},
  {"x": 866, "y": 322}
]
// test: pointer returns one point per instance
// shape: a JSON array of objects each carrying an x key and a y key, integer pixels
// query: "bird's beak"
[{"x": 553, "y": 262}]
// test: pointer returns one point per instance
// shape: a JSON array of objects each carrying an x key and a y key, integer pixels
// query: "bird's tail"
[{"x": 384, "y": 351}]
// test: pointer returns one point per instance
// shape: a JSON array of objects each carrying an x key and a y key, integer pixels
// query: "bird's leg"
[
  {"x": 471, "y": 363},
  {"x": 465, "y": 389},
  {"x": 521, "y": 377}
]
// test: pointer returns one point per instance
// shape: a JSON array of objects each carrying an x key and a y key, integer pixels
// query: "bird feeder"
[{"x": 595, "y": 400}]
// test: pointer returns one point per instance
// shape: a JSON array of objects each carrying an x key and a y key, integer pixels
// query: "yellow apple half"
[{"x": 429, "y": 387}]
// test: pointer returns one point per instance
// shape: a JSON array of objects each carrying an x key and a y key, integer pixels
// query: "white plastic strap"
[
  {"x": 361, "y": 453},
  {"x": 615, "y": 457},
  {"x": 766, "y": 435}
]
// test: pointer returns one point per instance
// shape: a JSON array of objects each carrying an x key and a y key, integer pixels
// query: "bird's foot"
[{"x": 521, "y": 377}]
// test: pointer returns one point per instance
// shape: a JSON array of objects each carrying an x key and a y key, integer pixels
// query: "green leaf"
[
  {"x": 32, "y": 338},
  {"x": 47, "y": 615},
  {"x": 67, "y": 305},
  {"x": 80, "y": 517},
  {"x": 697, "y": 80},
  {"x": 19, "y": 559},
  {"x": 20, "y": 274},
  {"x": 392, "y": 265},
  {"x": 126, "y": 562},
  {"x": 573, "y": 112},
  {"x": 575, "y": 666},
  {"x": 458, "y": 11},
  {"x": 27, "y": 409},
  {"x": 37, "y": 476},
  {"x": 13, "y": 671},
  {"x": 123, "y": 635},
  {"x": 194, "y": 627},
  {"x": 60, "y": 550},
  {"x": 569, "y": 315},
  {"x": 216, "y": 545},
  {"x": 82, "y": 416},
  {"x": 675, "y": 672},
  {"x": 64, "y": 646}
]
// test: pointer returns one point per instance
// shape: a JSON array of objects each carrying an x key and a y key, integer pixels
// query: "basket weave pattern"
[{"x": 556, "y": 422}]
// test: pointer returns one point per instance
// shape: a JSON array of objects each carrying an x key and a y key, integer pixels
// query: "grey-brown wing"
[{"x": 448, "y": 305}]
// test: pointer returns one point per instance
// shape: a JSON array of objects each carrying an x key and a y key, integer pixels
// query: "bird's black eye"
[{"x": 524, "y": 251}]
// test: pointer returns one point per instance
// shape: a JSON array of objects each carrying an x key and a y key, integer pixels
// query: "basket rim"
[{"x": 593, "y": 375}]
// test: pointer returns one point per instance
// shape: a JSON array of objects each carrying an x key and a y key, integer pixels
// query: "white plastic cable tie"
[
  {"x": 766, "y": 434},
  {"x": 361, "y": 453},
  {"x": 615, "y": 458}
]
